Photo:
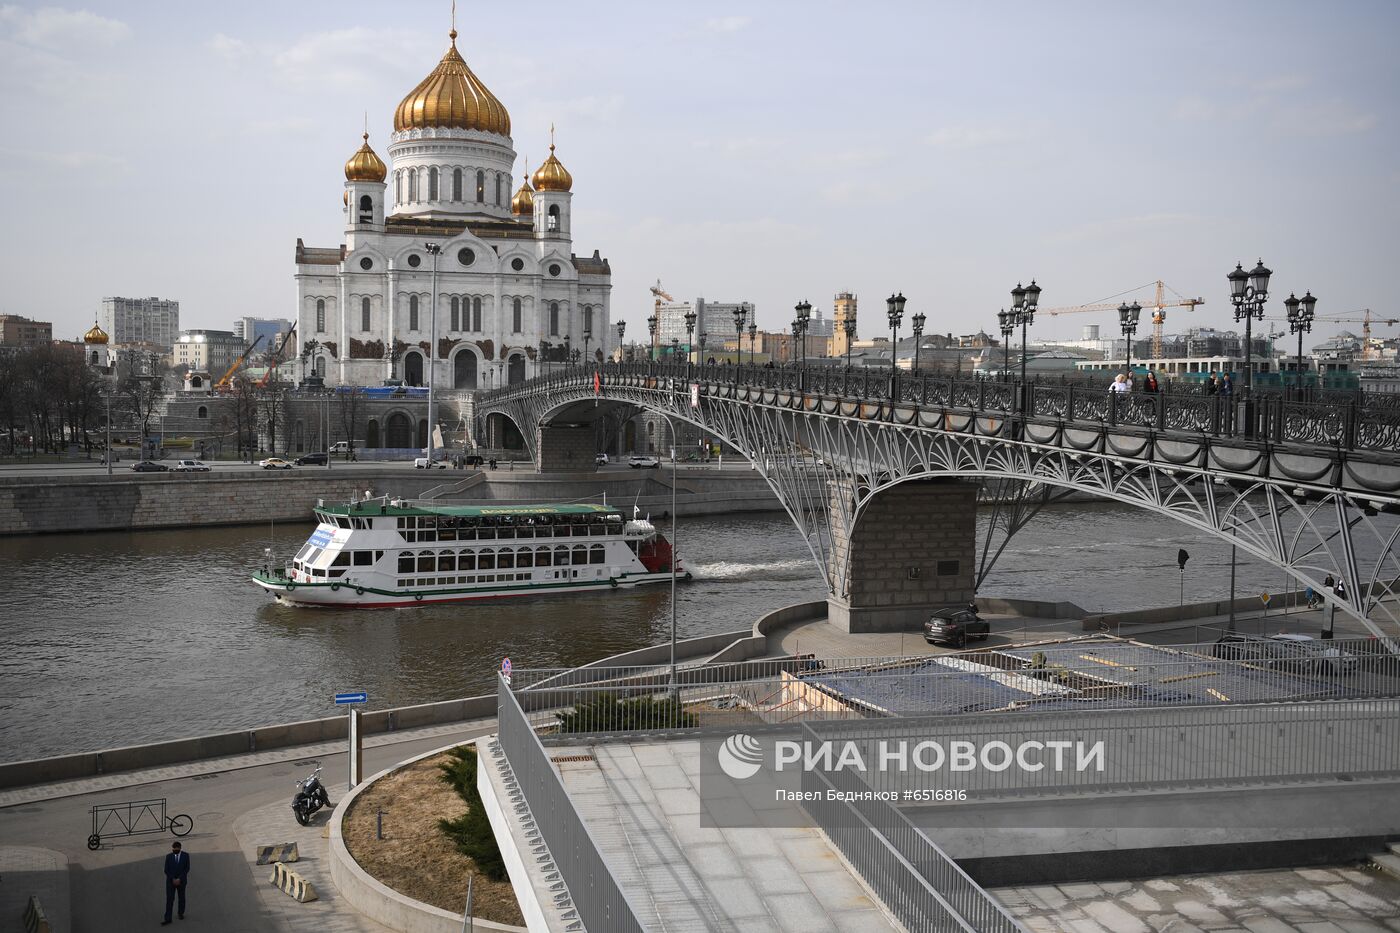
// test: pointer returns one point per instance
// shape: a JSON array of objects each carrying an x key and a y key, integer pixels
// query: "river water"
[{"x": 122, "y": 638}]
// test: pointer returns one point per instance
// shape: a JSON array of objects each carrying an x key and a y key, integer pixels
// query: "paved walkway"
[
  {"x": 1306, "y": 900},
  {"x": 27, "y": 871}
]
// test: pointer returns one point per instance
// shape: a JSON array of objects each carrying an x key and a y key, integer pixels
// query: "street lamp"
[
  {"x": 651, "y": 329},
  {"x": 918, "y": 325},
  {"x": 1248, "y": 293},
  {"x": 1300, "y": 321},
  {"x": 587, "y": 336},
  {"x": 433, "y": 249},
  {"x": 1128, "y": 318},
  {"x": 739, "y": 317},
  {"x": 753, "y": 339},
  {"x": 804, "y": 316},
  {"x": 1007, "y": 320},
  {"x": 849, "y": 324},
  {"x": 894, "y": 306},
  {"x": 1023, "y": 304},
  {"x": 689, "y": 337},
  {"x": 621, "y": 329},
  {"x": 675, "y": 348}
]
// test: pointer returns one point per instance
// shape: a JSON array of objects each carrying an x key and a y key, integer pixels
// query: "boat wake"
[{"x": 797, "y": 569}]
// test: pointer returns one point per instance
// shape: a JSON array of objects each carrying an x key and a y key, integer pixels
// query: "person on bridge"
[
  {"x": 1120, "y": 384},
  {"x": 1150, "y": 383},
  {"x": 177, "y": 876},
  {"x": 1227, "y": 386},
  {"x": 1211, "y": 385}
]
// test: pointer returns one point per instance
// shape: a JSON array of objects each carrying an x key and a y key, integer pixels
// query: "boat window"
[
  {"x": 405, "y": 563},
  {"x": 341, "y": 560},
  {"x": 542, "y": 557},
  {"x": 426, "y": 562},
  {"x": 337, "y": 573},
  {"x": 524, "y": 531},
  {"x": 486, "y": 534},
  {"x": 467, "y": 561},
  {"x": 305, "y": 549},
  {"x": 466, "y": 534},
  {"x": 505, "y": 560},
  {"x": 508, "y": 533},
  {"x": 447, "y": 534},
  {"x": 580, "y": 554},
  {"x": 315, "y": 553},
  {"x": 364, "y": 558},
  {"x": 597, "y": 554},
  {"x": 524, "y": 557},
  {"x": 486, "y": 560},
  {"x": 632, "y": 545},
  {"x": 446, "y": 562},
  {"x": 318, "y": 572}
]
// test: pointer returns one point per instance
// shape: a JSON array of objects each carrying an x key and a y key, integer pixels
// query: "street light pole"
[
  {"x": 1248, "y": 293},
  {"x": 1300, "y": 318},
  {"x": 107, "y": 397},
  {"x": 1007, "y": 320},
  {"x": 651, "y": 348},
  {"x": 894, "y": 308},
  {"x": 621, "y": 329},
  {"x": 918, "y": 327},
  {"x": 433, "y": 250},
  {"x": 1128, "y": 319},
  {"x": 1023, "y": 304},
  {"x": 689, "y": 339},
  {"x": 804, "y": 314},
  {"x": 739, "y": 317},
  {"x": 849, "y": 324},
  {"x": 753, "y": 340}
]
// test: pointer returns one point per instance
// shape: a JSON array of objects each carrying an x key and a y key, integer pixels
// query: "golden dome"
[
  {"x": 364, "y": 165},
  {"x": 524, "y": 200},
  {"x": 452, "y": 96},
  {"x": 552, "y": 175},
  {"x": 96, "y": 335}
]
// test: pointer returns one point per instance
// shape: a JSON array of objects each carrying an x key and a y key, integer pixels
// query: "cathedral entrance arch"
[
  {"x": 464, "y": 370},
  {"x": 515, "y": 369},
  {"x": 413, "y": 369},
  {"x": 398, "y": 431},
  {"x": 372, "y": 433}
]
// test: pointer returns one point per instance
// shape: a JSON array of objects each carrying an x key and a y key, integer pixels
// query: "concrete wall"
[
  {"x": 567, "y": 449},
  {"x": 912, "y": 551}
]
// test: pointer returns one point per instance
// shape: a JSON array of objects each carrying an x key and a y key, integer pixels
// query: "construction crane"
[
  {"x": 222, "y": 384},
  {"x": 1157, "y": 306},
  {"x": 276, "y": 357},
  {"x": 1365, "y": 320},
  {"x": 660, "y": 293}
]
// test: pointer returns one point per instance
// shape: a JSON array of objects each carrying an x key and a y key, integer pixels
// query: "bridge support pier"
[
  {"x": 912, "y": 550},
  {"x": 566, "y": 448}
]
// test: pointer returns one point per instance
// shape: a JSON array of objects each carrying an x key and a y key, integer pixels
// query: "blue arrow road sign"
[{"x": 341, "y": 699}]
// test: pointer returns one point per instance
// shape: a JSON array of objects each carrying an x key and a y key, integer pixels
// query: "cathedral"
[{"x": 442, "y": 218}]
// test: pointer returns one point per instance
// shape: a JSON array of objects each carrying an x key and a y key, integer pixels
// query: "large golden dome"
[
  {"x": 552, "y": 175},
  {"x": 365, "y": 165},
  {"x": 96, "y": 335},
  {"x": 524, "y": 200},
  {"x": 452, "y": 96}
]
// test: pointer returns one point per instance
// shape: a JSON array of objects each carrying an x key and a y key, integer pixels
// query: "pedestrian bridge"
[{"x": 1312, "y": 487}]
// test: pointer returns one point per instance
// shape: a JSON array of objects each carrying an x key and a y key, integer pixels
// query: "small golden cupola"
[
  {"x": 365, "y": 165},
  {"x": 95, "y": 335},
  {"x": 552, "y": 175},
  {"x": 452, "y": 96},
  {"x": 523, "y": 203}
]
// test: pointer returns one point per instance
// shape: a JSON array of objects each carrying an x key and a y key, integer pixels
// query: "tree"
[
  {"x": 245, "y": 416},
  {"x": 273, "y": 404},
  {"x": 141, "y": 388},
  {"x": 350, "y": 401}
]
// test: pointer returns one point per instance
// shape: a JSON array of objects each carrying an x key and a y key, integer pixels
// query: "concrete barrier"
[
  {"x": 755, "y": 644},
  {"x": 35, "y": 920},
  {"x": 1218, "y": 607},
  {"x": 378, "y": 901},
  {"x": 292, "y": 884},
  {"x": 281, "y": 852},
  {"x": 1031, "y": 608}
]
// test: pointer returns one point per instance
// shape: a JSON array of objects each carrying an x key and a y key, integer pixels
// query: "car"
[
  {"x": 311, "y": 459},
  {"x": 1286, "y": 651},
  {"x": 473, "y": 460},
  {"x": 190, "y": 466},
  {"x": 643, "y": 463},
  {"x": 274, "y": 463},
  {"x": 601, "y": 459},
  {"x": 421, "y": 463},
  {"x": 149, "y": 466},
  {"x": 955, "y": 626}
]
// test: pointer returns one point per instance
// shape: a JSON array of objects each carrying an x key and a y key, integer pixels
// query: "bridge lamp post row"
[
  {"x": 1128, "y": 318},
  {"x": 894, "y": 309},
  {"x": 1248, "y": 293},
  {"x": 1300, "y": 321},
  {"x": 753, "y": 339},
  {"x": 651, "y": 329},
  {"x": 1008, "y": 327},
  {"x": 690, "y": 319},
  {"x": 1024, "y": 301},
  {"x": 918, "y": 327},
  {"x": 739, "y": 317},
  {"x": 801, "y": 324}
]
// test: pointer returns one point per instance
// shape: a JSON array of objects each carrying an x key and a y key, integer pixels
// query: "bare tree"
[
  {"x": 350, "y": 401},
  {"x": 141, "y": 387},
  {"x": 272, "y": 401},
  {"x": 245, "y": 416}
]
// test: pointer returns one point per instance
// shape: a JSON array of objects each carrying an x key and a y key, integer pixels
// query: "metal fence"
[
  {"x": 592, "y": 886},
  {"x": 913, "y": 877}
]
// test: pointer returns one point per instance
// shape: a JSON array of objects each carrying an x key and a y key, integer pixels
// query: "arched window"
[
  {"x": 588, "y": 320},
  {"x": 432, "y": 183},
  {"x": 456, "y": 184},
  {"x": 320, "y": 367},
  {"x": 552, "y": 222},
  {"x": 364, "y": 314},
  {"x": 320, "y": 315},
  {"x": 366, "y": 209},
  {"x": 480, "y": 186},
  {"x": 203, "y": 412},
  {"x": 498, "y": 189},
  {"x": 580, "y": 554},
  {"x": 398, "y": 187},
  {"x": 515, "y": 316},
  {"x": 456, "y": 311},
  {"x": 412, "y": 312},
  {"x": 554, "y": 319},
  {"x": 597, "y": 554},
  {"x": 413, "y": 184},
  {"x": 476, "y": 314}
]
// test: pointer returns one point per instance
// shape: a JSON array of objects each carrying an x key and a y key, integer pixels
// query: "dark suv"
[
  {"x": 315, "y": 459},
  {"x": 955, "y": 626}
]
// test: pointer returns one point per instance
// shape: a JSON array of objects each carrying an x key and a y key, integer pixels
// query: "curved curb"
[{"x": 378, "y": 901}]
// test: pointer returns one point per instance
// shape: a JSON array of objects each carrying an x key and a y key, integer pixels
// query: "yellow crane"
[
  {"x": 1157, "y": 305},
  {"x": 1365, "y": 320},
  {"x": 223, "y": 383}
]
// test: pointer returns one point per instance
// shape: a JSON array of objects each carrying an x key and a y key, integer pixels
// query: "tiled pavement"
[
  {"x": 1332, "y": 900},
  {"x": 27, "y": 871}
]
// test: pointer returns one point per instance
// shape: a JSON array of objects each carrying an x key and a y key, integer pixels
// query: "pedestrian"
[
  {"x": 1211, "y": 385},
  {"x": 1311, "y": 596},
  {"x": 1120, "y": 384},
  {"x": 1227, "y": 386},
  {"x": 1150, "y": 383},
  {"x": 1341, "y": 590},
  {"x": 177, "y": 878},
  {"x": 1330, "y": 583}
]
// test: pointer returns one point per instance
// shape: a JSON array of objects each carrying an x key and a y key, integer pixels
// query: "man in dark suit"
[{"x": 177, "y": 877}]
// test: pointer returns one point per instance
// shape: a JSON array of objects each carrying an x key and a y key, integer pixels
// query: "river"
[{"x": 124, "y": 638}]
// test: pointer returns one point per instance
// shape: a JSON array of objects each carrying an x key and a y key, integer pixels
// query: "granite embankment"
[{"x": 53, "y": 504}]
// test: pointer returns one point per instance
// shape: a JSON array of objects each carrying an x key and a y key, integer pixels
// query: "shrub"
[
  {"x": 606, "y": 712},
  {"x": 471, "y": 832}
]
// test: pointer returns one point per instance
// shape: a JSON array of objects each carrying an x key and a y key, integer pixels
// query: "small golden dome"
[
  {"x": 365, "y": 165},
  {"x": 552, "y": 175},
  {"x": 524, "y": 201},
  {"x": 96, "y": 335},
  {"x": 452, "y": 96},
  {"x": 345, "y": 198}
]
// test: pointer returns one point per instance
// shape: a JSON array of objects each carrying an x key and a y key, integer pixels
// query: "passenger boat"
[{"x": 379, "y": 553}]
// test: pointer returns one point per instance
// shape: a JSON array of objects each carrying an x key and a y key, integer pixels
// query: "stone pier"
[
  {"x": 566, "y": 448},
  {"x": 913, "y": 550}
]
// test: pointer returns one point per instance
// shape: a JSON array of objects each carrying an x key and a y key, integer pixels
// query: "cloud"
[
  {"x": 728, "y": 23},
  {"x": 1119, "y": 227},
  {"x": 94, "y": 165},
  {"x": 358, "y": 57},
  {"x": 52, "y": 27},
  {"x": 970, "y": 137},
  {"x": 603, "y": 108},
  {"x": 229, "y": 48}
]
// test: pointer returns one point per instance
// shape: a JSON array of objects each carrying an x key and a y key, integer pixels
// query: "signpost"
[
  {"x": 505, "y": 670},
  {"x": 353, "y": 699}
]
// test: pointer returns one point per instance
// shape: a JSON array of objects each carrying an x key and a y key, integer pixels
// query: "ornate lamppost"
[
  {"x": 621, "y": 329},
  {"x": 739, "y": 317},
  {"x": 1008, "y": 327},
  {"x": 1128, "y": 319},
  {"x": 918, "y": 326},
  {"x": 1300, "y": 321},
  {"x": 849, "y": 325},
  {"x": 433, "y": 249},
  {"x": 894, "y": 306},
  {"x": 651, "y": 329},
  {"x": 753, "y": 339},
  {"x": 1023, "y": 304},
  {"x": 800, "y": 325},
  {"x": 587, "y": 336},
  {"x": 1248, "y": 293},
  {"x": 689, "y": 337}
]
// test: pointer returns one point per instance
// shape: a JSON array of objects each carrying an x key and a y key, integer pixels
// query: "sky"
[{"x": 764, "y": 151}]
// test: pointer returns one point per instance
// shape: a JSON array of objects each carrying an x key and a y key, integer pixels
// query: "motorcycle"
[{"x": 311, "y": 796}]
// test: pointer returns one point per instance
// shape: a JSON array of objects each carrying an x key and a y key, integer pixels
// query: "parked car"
[
  {"x": 1287, "y": 651},
  {"x": 644, "y": 463},
  {"x": 190, "y": 466},
  {"x": 422, "y": 463},
  {"x": 955, "y": 626},
  {"x": 311, "y": 459},
  {"x": 149, "y": 466},
  {"x": 274, "y": 463},
  {"x": 473, "y": 460},
  {"x": 601, "y": 459}
]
